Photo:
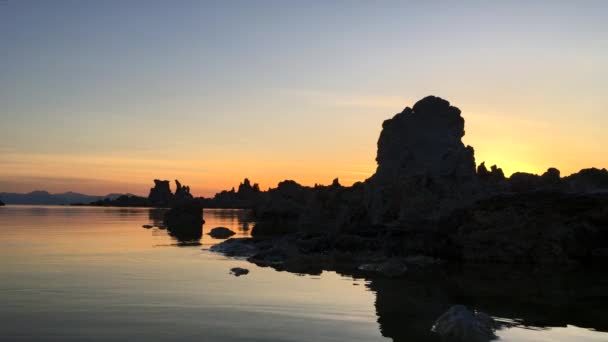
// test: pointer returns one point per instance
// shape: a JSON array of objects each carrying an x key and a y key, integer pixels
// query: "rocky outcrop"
[
  {"x": 424, "y": 169},
  {"x": 533, "y": 227},
  {"x": 160, "y": 194},
  {"x": 428, "y": 198},
  {"x": 588, "y": 180},
  {"x": 246, "y": 197},
  {"x": 182, "y": 194}
]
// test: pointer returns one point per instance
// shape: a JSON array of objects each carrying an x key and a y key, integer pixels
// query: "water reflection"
[
  {"x": 515, "y": 296},
  {"x": 236, "y": 219}
]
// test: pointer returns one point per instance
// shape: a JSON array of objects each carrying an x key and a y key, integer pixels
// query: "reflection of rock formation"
[
  {"x": 157, "y": 216},
  {"x": 407, "y": 308},
  {"x": 185, "y": 222}
]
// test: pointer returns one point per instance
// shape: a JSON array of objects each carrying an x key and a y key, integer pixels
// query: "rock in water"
[
  {"x": 221, "y": 233},
  {"x": 459, "y": 324},
  {"x": 424, "y": 169},
  {"x": 238, "y": 271},
  {"x": 241, "y": 247}
]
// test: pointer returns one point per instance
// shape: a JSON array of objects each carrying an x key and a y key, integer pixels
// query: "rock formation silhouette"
[
  {"x": 424, "y": 170},
  {"x": 428, "y": 198},
  {"x": 160, "y": 195}
]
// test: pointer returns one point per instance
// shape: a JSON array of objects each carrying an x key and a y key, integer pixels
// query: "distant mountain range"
[{"x": 46, "y": 198}]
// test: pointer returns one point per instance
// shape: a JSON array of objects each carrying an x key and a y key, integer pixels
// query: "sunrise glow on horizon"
[{"x": 104, "y": 97}]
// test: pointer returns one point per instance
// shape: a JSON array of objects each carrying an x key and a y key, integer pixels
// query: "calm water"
[{"x": 80, "y": 273}]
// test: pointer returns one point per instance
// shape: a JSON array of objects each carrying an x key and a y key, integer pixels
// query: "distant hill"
[{"x": 46, "y": 198}]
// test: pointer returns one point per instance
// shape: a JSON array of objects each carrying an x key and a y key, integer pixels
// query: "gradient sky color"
[{"x": 104, "y": 96}]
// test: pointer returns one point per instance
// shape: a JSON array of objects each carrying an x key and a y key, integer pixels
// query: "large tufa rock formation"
[
  {"x": 182, "y": 194},
  {"x": 160, "y": 194},
  {"x": 424, "y": 169}
]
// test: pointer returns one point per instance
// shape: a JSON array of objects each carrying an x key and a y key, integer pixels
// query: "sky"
[{"x": 105, "y": 96}]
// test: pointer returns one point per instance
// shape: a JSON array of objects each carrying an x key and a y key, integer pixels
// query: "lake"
[{"x": 92, "y": 273}]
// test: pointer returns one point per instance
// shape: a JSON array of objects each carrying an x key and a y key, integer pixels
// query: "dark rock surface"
[
  {"x": 160, "y": 195},
  {"x": 182, "y": 195},
  {"x": 459, "y": 324},
  {"x": 221, "y": 233},
  {"x": 536, "y": 227},
  {"x": 424, "y": 169}
]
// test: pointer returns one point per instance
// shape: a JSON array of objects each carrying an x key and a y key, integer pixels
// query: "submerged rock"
[
  {"x": 236, "y": 247},
  {"x": 459, "y": 324},
  {"x": 238, "y": 271},
  {"x": 221, "y": 233}
]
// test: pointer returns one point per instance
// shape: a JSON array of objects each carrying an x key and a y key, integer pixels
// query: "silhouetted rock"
[
  {"x": 494, "y": 175},
  {"x": 532, "y": 227},
  {"x": 160, "y": 194},
  {"x": 182, "y": 194},
  {"x": 459, "y": 324},
  {"x": 221, "y": 233},
  {"x": 424, "y": 169},
  {"x": 246, "y": 197},
  {"x": 428, "y": 198},
  {"x": 588, "y": 180},
  {"x": 147, "y": 226},
  {"x": 238, "y": 271}
]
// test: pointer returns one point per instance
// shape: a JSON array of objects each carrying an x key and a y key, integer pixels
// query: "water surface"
[{"x": 86, "y": 273}]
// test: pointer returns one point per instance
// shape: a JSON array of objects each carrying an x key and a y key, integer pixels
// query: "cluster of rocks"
[
  {"x": 245, "y": 197},
  {"x": 160, "y": 196},
  {"x": 427, "y": 197}
]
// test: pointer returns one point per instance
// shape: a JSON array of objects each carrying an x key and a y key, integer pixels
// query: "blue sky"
[{"x": 103, "y": 96}]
